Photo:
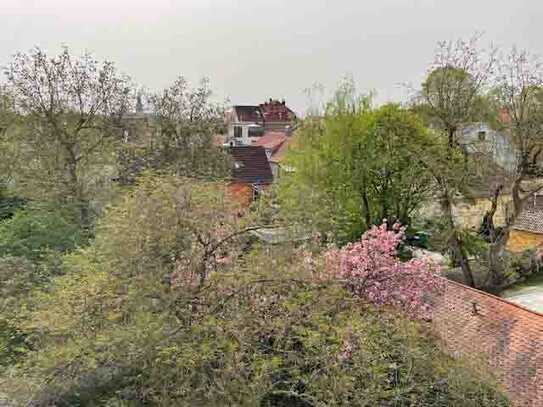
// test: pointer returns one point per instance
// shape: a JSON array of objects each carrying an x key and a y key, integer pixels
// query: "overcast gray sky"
[{"x": 256, "y": 49}]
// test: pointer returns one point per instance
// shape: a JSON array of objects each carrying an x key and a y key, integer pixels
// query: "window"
[
  {"x": 481, "y": 135},
  {"x": 238, "y": 165},
  {"x": 238, "y": 131},
  {"x": 256, "y": 132}
]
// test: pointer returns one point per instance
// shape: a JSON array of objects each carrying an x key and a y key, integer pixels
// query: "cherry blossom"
[{"x": 372, "y": 269}]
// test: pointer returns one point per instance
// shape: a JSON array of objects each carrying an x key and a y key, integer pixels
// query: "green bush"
[{"x": 36, "y": 231}]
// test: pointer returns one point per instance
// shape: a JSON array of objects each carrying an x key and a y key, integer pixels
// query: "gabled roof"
[
  {"x": 271, "y": 140},
  {"x": 280, "y": 153},
  {"x": 531, "y": 217},
  {"x": 273, "y": 111},
  {"x": 251, "y": 165},
  {"x": 248, "y": 113}
]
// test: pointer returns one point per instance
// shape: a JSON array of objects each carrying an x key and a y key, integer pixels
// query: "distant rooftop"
[{"x": 270, "y": 111}]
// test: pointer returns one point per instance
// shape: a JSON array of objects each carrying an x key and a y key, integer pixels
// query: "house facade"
[
  {"x": 247, "y": 123},
  {"x": 481, "y": 139}
]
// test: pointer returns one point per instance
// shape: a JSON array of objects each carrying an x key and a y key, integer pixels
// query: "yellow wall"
[
  {"x": 469, "y": 214},
  {"x": 520, "y": 240}
]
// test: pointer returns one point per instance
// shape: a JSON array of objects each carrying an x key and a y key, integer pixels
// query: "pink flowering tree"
[{"x": 371, "y": 268}]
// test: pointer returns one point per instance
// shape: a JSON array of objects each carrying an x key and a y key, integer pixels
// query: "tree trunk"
[
  {"x": 76, "y": 190},
  {"x": 455, "y": 242},
  {"x": 496, "y": 270},
  {"x": 452, "y": 141},
  {"x": 487, "y": 229}
]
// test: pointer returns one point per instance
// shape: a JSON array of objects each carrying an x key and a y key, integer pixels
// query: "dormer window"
[
  {"x": 238, "y": 165},
  {"x": 481, "y": 135}
]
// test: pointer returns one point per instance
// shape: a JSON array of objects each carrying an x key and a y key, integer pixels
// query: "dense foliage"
[
  {"x": 129, "y": 324},
  {"x": 130, "y": 275},
  {"x": 355, "y": 167}
]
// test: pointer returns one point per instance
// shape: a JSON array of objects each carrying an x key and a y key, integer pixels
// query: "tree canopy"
[{"x": 355, "y": 167}]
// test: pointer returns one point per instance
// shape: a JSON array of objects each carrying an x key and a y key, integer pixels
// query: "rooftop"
[
  {"x": 531, "y": 217},
  {"x": 251, "y": 165}
]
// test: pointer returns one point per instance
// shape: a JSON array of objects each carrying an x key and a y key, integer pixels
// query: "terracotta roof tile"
[
  {"x": 271, "y": 140},
  {"x": 272, "y": 111}
]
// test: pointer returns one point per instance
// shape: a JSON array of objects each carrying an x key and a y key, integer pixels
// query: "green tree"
[
  {"x": 355, "y": 167},
  {"x": 37, "y": 231},
  {"x": 69, "y": 110},
  {"x": 182, "y": 123}
]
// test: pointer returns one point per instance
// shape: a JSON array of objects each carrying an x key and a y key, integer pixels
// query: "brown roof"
[
  {"x": 248, "y": 113},
  {"x": 531, "y": 217},
  {"x": 271, "y": 112},
  {"x": 276, "y": 111},
  {"x": 251, "y": 165}
]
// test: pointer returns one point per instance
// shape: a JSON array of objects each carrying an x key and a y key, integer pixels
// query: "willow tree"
[
  {"x": 70, "y": 110},
  {"x": 355, "y": 167}
]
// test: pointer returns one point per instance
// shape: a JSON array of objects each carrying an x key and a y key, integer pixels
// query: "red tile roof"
[
  {"x": 276, "y": 111},
  {"x": 271, "y": 140},
  {"x": 505, "y": 335},
  {"x": 272, "y": 111}
]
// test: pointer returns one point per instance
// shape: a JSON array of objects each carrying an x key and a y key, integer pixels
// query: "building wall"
[
  {"x": 508, "y": 337},
  {"x": 519, "y": 240},
  {"x": 469, "y": 213},
  {"x": 241, "y": 192},
  {"x": 495, "y": 144}
]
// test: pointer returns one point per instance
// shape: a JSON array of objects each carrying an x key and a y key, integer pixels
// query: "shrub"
[{"x": 35, "y": 231}]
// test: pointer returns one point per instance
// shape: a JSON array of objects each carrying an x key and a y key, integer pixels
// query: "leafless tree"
[{"x": 518, "y": 94}]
